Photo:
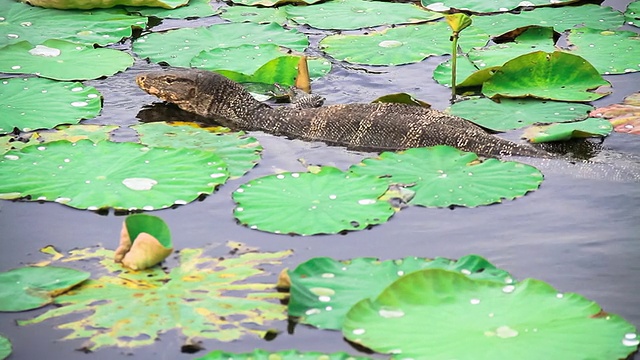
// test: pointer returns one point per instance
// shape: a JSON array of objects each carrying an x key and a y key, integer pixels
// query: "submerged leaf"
[
  {"x": 204, "y": 297},
  {"x": 424, "y": 315},
  {"x": 32, "y": 287},
  {"x": 194, "y": 9},
  {"x": 323, "y": 289},
  {"x": 328, "y": 202},
  {"x": 5, "y": 347},
  {"x": 624, "y": 117},
  {"x": 556, "y": 76},
  {"x": 442, "y": 176},
  {"x": 591, "y": 127},
  {"x": 92, "y": 4}
]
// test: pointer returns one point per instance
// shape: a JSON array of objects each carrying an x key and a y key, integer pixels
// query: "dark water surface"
[{"x": 580, "y": 235}]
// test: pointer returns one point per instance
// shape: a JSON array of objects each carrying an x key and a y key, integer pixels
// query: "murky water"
[{"x": 580, "y": 235}]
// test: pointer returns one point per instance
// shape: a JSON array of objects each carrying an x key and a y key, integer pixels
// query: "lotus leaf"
[
  {"x": 611, "y": 52},
  {"x": 62, "y": 60},
  {"x": 399, "y": 45},
  {"x": 93, "y": 4},
  {"x": 624, "y": 117},
  {"x": 323, "y": 289},
  {"x": 511, "y": 114},
  {"x": 443, "y": 176},
  {"x": 21, "y": 22},
  {"x": 205, "y": 297},
  {"x": 326, "y": 202},
  {"x": 464, "y": 70},
  {"x": 555, "y": 76},
  {"x": 274, "y": 2},
  {"x": 239, "y": 151},
  {"x": 32, "y": 287},
  {"x": 483, "y": 6},
  {"x": 632, "y": 14},
  {"x": 591, "y": 127},
  {"x": 561, "y": 19},
  {"x": 239, "y": 14},
  {"x": 280, "y": 355},
  {"x": 357, "y": 14},
  {"x": 424, "y": 315},
  {"x": 58, "y": 103},
  {"x": 74, "y": 133},
  {"x": 123, "y": 176},
  {"x": 265, "y": 63},
  {"x": 178, "y": 47},
  {"x": 145, "y": 241},
  {"x": 194, "y": 9},
  {"x": 5, "y": 347}
]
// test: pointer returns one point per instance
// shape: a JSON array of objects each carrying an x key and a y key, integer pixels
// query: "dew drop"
[
  {"x": 16, "y": 67},
  {"x": 366, "y": 201},
  {"x": 295, "y": 175},
  {"x": 324, "y": 298},
  {"x": 217, "y": 175},
  {"x": 239, "y": 209},
  {"x": 390, "y": 43},
  {"x": 12, "y": 36},
  {"x": 358, "y": 331},
  {"x": 11, "y": 157},
  {"x": 332, "y": 197},
  {"x": 400, "y": 273},
  {"x": 328, "y": 275},
  {"x": 240, "y": 190},
  {"x": 139, "y": 183},
  {"x": 465, "y": 271},
  {"x": 77, "y": 88},
  {"x": 279, "y": 176},
  {"x": 474, "y": 301},
  {"x": 391, "y": 313},
  {"x": 559, "y": 295},
  {"x": 41, "y": 50},
  {"x": 508, "y": 289},
  {"x": 312, "y": 312},
  {"x": 506, "y": 332},
  {"x": 79, "y": 103}
]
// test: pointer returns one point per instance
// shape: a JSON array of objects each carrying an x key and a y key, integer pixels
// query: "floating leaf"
[
  {"x": 327, "y": 202},
  {"x": 357, "y": 14},
  {"x": 442, "y": 176},
  {"x": 145, "y": 240},
  {"x": 22, "y": 22},
  {"x": 611, "y": 52},
  {"x": 194, "y": 9},
  {"x": 74, "y": 133},
  {"x": 464, "y": 70},
  {"x": 511, "y": 114},
  {"x": 323, "y": 289},
  {"x": 205, "y": 297},
  {"x": 266, "y": 63},
  {"x": 632, "y": 14},
  {"x": 62, "y": 60},
  {"x": 591, "y": 127},
  {"x": 274, "y": 2},
  {"x": 239, "y": 151},
  {"x": 624, "y": 117},
  {"x": 32, "y": 287},
  {"x": 399, "y": 45},
  {"x": 123, "y": 176},
  {"x": 178, "y": 47},
  {"x": 424, "y": 315},
  {"x": 58, "y": 103},
  {"x": 556, "y": 76},
  {"x": 484, "y": 6},
  {"x": 560, "y": 18},
  {"x": 280, "y": 355},
  {"x": 255, "y": 14},
  {"x": 5, "y": 347},
  {"x": 92, "y": 4}
]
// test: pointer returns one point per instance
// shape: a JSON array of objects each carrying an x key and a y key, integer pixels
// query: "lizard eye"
[{"x": 169, "y": 80}]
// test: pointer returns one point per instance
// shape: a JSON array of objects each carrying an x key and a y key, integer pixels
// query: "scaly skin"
[{"x": 374, "y": 127}]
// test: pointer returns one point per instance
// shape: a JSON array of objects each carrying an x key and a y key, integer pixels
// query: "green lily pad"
[
  {"x": 611, "y": 52},
  {"x": 123, "y": 176},
  {"x": 328, "y": 202},
  {"x": 62, "y": 60},
  {"x": 555, "y": 76},
  {"x": 443, "y": 176},
  {"x": 357, "y": 14},
  {"x": 323, "y": 289},
  {"x": 632, "y": 14},
  {"x": 5, "y": 347},
  {"x": 204, "y": 297},
  {"x": 22, "y": 22},
  {"x": 178, "y": 47},
  {"x": 591, "y": 127},
  {"x": 624, "y": 117},
  {"x": 484, "y": 6},
  {"x": 511, "y": 114},
  {"x": 194, "y": 9},
  {"x": 280, "y": 355},
  {"x": 274, "y": 2},
  {"x": 58, "y": 103},
  {"x": 424, "y": 315},
  {"x": 399, "y": 45},
  {"x": 465, "y": 69},
  {"x": 560, "y": 18},
  {"x": 93, "y": 4},
  {"x": 32, "y": 287},
  {"x": 258, "y": 15},
  {"x": 258, "y": 64},
  {"x": 239, "y": 151}
]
